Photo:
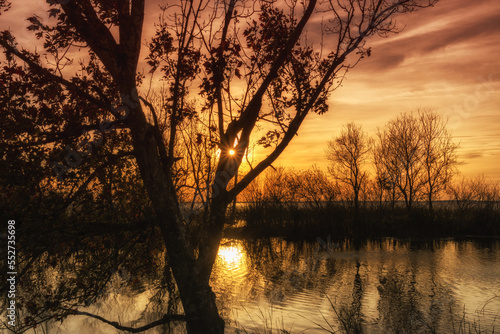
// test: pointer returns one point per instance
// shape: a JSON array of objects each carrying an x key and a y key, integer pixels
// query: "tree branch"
[
  {"x": 167, "y": 318},
  {"x": 45, "y": 72},
  {"x": 82, "y": 15}
]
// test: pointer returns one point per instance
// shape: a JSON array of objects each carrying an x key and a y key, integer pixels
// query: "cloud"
[
  {"x": 470, "y": 30},
  {"x": 434, "y": 62},
  {"x": 443, "y": 29},
  {"x": 437, "y": 63},
  {"x": 472, "y": 155}
]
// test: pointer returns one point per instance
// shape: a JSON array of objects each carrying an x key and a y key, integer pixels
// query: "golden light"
[
  {"x": 231, "y": 268},
  {"x": 232, "y": 152},
  {"x": 230, "y": 255}
]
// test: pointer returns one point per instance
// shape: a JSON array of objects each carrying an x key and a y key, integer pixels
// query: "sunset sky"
[
  {"x": 446, "y": 59},
  {"x": 440, "y": 61}
]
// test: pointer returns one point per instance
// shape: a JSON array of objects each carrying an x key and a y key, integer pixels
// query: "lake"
[
  {"x": 379, "y": 286},
  {"x": 384, "y": 286}
]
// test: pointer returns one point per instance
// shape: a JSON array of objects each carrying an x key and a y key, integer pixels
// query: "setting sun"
[{"x": 231, "y": 152}]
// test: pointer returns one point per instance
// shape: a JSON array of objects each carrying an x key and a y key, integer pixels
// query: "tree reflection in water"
[
  {"x": 71, "y": 280},
  {"x": 380, "y": 287}
]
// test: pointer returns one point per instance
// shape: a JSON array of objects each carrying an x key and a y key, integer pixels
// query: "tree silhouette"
[
  {"x": 416, "y": 155},
  {"x": 400, "y": 149},
  {"x": 348, "y": 153},
  {"x": 96, "y": 131},
  {"x": 439, "y": 154}
]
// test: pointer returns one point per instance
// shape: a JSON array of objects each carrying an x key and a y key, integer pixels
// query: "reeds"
[{"x": 297, "y": 220}]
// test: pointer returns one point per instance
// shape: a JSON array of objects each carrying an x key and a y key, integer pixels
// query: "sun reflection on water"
[{"x": 231, "y": 255}]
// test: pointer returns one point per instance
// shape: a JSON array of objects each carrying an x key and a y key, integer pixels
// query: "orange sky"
[
  {"x": 446, "y": 59},
  {"x": 441, "y": 61}
]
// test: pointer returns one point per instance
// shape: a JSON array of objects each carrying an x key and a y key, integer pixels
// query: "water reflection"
[
  {"x": 231, "y": 255},
  {"x": 384, "y": 286}
]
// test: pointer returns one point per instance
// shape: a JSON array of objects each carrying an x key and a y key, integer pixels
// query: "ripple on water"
[{"x": 296, "y": 285}]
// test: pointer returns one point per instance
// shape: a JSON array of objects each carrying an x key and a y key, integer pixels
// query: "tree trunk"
[
  {"x": 198, "y": 301},
  {"x": 380, "y": 199},
  {"x": 430, "y": 199},
  {"x": 356, "y": 200},
  {"x": 197, "y": 297}
]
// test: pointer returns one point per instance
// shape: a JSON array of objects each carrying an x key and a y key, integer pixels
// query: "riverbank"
[{"x": 299, "y": 221}]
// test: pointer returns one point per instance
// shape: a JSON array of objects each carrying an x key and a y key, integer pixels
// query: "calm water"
[
  {"x": 381, "y": 287},
  {"x": 378, "y": 287}
]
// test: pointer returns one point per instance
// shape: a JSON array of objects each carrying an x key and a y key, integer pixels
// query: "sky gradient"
[{"x": 445, "y": 59}]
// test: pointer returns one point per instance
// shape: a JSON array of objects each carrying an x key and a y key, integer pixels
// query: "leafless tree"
[
  {"x": 438, "y": 154},
  {"x": 385, "y": 182},
  {"x": 477, "y": 192},
  {"x": 416, "y": 154},
  {"x": 313, "y": 187},
  {"x": 348, "y": 154},
  {"x": 400, "y": 151},
  {"x": 275, "y": 185}
]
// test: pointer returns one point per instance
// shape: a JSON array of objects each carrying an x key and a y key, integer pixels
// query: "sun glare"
[
  {"x": 231, "y": 255},
  {"x": 231, "y": 152}
]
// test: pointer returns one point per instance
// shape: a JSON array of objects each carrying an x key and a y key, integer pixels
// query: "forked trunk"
[{"x": 192, "y": 280}]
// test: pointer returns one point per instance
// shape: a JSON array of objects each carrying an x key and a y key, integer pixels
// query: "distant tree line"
[
  {"x": 414, "y": 158},
  {"x": 392, "y": 179}
]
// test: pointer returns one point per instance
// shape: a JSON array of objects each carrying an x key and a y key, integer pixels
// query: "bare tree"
[
  {"x": 385, "y": 182},
  {"x": 348, "y": 155},
  {"x": 477, "y": 192},
  {"x": 416, "y": 155},
  {"x": 255, "y": 66},
  {"x": 400, "y": 151},
  {"x": 275, "y": 185},
  {"x": 313, "y": 187},
  {"x": 438, "y": 154}
]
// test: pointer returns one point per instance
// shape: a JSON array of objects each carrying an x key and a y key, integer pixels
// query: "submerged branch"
[{"x": 167, "y": 318}]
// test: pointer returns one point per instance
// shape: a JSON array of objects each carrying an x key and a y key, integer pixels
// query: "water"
[
  {"x": 381, "y": 287},
  {"x": 384, "y": 286}
]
